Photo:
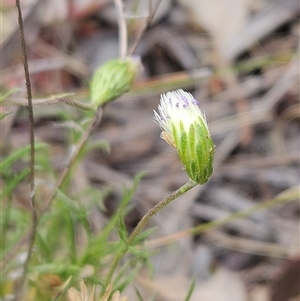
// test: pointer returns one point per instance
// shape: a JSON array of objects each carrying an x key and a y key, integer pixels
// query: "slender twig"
[
  {"x": 122, "y": 28},
  {"x": 143, "y": 222},
  {"x": 147, "y": 24},
  {"x": 47, "y": 102},
  {"x": 32, "y": 157}
]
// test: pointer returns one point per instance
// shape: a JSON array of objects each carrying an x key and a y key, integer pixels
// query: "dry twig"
[{"x": 32, "y": 154}]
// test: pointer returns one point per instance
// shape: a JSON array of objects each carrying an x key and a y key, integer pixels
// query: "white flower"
[
  {"x": 176, "y": 108},
  {"x": 184, "y": 126}
]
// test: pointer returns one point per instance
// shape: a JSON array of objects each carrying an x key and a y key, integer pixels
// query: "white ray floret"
[{"x": 175, "y": 107}]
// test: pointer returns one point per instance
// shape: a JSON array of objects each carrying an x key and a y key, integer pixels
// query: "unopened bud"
[{"x": 112, "y": 80}]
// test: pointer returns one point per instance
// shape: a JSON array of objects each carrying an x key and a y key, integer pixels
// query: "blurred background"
[{"x": 240, "y": 60}]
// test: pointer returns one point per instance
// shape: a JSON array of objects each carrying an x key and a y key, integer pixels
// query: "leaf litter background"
[{"x": 240, "y": 59}]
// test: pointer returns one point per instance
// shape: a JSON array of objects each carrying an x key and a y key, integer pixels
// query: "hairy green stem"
[
  {"x": 143, "y": 222},
  {"x": 49, "y": 101}
]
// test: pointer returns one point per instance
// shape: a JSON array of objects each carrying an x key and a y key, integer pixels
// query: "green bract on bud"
[
  {"x": 112, "y": 80},
  {"x": 184, "y": 126}
]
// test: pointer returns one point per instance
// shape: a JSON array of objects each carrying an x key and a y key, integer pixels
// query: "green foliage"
[
  {"x": 3, "y": 115},
  {"x": 57, "y": 252},
  {"x": 2, "y": 98},
  {"x": 14, "y": 221},
  {"x": 190, "y": 292},
  {"x": 6, "y": 164},
  {"x": 14, "y": 180}
]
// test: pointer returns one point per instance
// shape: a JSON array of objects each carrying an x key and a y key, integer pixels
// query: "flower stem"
[{"x": 143, "y": 222}]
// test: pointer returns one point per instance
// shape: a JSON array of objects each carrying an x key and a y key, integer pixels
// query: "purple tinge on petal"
[
  {"x": 185, "y": 100},
  {"x": 177, "y": 105},
  {"x": 195, "y": 102}
]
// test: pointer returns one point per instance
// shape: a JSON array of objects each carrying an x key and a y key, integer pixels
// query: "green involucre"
[
  {"x": 196, "y": 151},
  {"x": 112, "y": 80}
]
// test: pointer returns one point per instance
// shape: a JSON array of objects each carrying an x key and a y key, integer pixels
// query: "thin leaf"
[
  {"x": 129, "y": 277},
  {"x": 138, "y": 294},
  {"x": 142, "y": 236},
  {"x": 46, "y": 250},
  {"x": 99, "y": 144},
  {"x": 24, "y": 151},
  {"x": 190, "y": 292},
  {"x": 56, "y": 268},
  {"x": 123, "y": 234},
  {"x": 3, "y": 115},
  {"x": 2, "y": 97},
  {"x": 127, "y": 196},
  {"x": 14, "y": 182}
]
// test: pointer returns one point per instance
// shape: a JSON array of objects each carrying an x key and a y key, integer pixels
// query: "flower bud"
[
  {"x": 112, "y": 80},
  {"x": 184, "y": 126}
]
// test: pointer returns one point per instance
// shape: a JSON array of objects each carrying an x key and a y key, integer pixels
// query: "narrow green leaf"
[
  {"x": 3, "y": 115},
  {"x": 56, "y": 268},
  {"x": 14, "y": 182},
  {"x": 130, "y": 275},
  {"x": 21, "y": 152},
  {"x": 3, "y": 96},
  {"x": 191, "y": 290},
  {"x": 138, "y": 294},
  {"x": 142, "y": 236},
  {"x": 122, "y": 231},
  {"x": 99, "y": 144},
  {"x": 127, "y": 196}
]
